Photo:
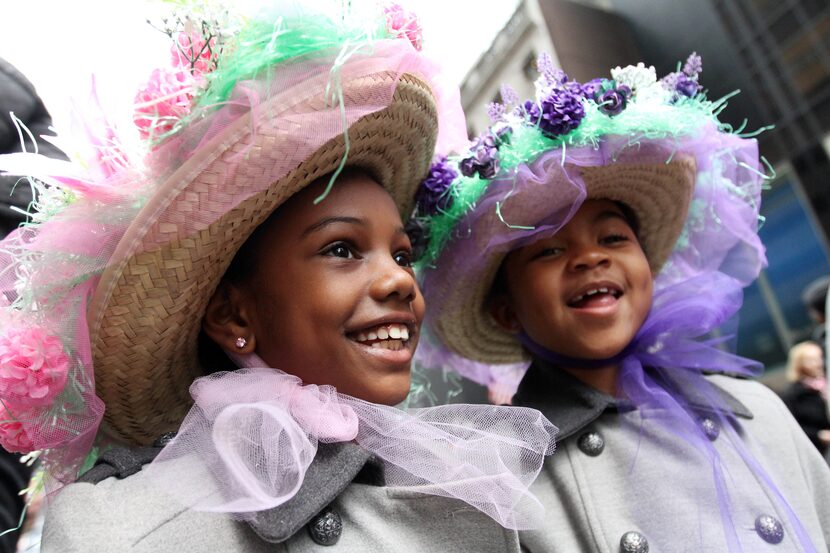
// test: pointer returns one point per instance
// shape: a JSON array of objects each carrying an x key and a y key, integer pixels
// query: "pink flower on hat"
[
  {"x": 163, "y": 101},
  {"x": 401, "y": 22},
  {"x": 33, "y": 367},
  {"x": 13, "y": 437},
  {"x": 193, "y": 51}
]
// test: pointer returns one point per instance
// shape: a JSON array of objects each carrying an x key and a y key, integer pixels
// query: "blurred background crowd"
[{"x": 777, "y": 53}]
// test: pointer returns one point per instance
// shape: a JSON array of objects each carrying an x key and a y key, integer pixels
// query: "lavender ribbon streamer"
[{"x": 669, "y": 341}]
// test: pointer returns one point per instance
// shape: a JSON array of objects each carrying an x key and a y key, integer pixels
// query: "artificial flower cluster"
[
  {"x": 170, "y": 94},
  {"x": 33, "y": 371},
  {"x": 559, "y": 108}
]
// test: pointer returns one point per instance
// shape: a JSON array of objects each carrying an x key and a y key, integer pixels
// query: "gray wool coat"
[
  {"x": 619, "y": 482},
  {"x": 132, "y": 515}
]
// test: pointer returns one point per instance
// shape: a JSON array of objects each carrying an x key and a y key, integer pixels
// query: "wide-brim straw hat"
[
  {"x": 655, "y": 145},
  {"x": 145, "y": 315},
  {"x": 657, "y": 192}
]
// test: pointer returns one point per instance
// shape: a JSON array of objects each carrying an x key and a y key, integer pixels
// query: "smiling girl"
[
  {"x": 604, "y": 232},
  {"x": 242, "y": 312}
]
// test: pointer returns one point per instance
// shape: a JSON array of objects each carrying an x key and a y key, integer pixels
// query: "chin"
[{"x": 390, "y": 390}]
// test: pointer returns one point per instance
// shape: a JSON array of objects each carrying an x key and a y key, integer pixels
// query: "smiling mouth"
[
  {"x": 391, "y": 336},
  {"x": 596, "y": 297}
]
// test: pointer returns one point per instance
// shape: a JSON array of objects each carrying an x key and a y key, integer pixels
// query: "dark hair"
[{"x": 814, "y": 295}]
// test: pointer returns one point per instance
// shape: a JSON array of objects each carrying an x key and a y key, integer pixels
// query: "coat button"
[
  {"x": 326, "y": 527},
  {"x": 710, "y": 428},
  {"x": 769, "y": 529},
  {"x": 591, "y": 443},
  {"x": 633, "y": 542}
]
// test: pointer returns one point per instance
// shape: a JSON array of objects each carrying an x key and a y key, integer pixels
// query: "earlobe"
[
  {"x": 501, "y": 310},
  {"x": 228, "y": 321}
]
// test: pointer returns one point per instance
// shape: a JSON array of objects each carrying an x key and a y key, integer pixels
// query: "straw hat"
[
  {"x": 658, "y": 193},
  {"x": 108, "y": 286},
  {"x": 646, "y": 143}
]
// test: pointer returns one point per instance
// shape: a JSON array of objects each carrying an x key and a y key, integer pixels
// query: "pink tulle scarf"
[{"x": 247, "y": 442}]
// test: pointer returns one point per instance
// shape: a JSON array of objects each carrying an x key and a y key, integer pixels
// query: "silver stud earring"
[{"x": 241, "y": 342}]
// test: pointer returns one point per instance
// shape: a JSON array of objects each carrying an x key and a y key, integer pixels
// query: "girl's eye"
[
  {"x": 549, "y": 252},
  {"x": 340, "y": 249},
  {"x": 403, "y": 258},
  {"x": 614, "y": 238}
]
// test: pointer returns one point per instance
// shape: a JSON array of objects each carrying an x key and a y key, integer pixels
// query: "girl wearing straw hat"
[
  {"x": 240, "y": 310},
  {"x": 602, "y": 233}
]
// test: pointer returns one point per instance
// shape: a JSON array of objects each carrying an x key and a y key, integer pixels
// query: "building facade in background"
[{"x": 776, "y": 52}]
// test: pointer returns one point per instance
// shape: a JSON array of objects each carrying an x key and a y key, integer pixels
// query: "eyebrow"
[
  {"x": 609, "y": 214},
  {"x": 323, "y": 223}
]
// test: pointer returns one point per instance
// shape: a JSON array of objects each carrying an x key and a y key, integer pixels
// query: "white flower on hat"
[
  {"x": 653, "y": 94},
  {"x": 636, "y": 77}
]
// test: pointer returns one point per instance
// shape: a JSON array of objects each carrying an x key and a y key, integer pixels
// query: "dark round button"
[
  {"x": 591, "y": 443},
  {"x": 164, "y": 439},
  {"x": 769, "y": 529},
  {"x": 633, "y": 542},
  {"x": 326, "y": 527},
  {"x": 710, "y": 428}
]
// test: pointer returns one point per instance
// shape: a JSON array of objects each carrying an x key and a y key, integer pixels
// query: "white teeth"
[
  {"x": 603, "y": 290},
  {"x": 591, "y": 292},
  {"x": 384, "y": 332}
]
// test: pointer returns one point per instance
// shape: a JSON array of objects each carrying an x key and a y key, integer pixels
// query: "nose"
[
  {"x": 391, "y": 281},
  {"x": 587, "y": 257}
]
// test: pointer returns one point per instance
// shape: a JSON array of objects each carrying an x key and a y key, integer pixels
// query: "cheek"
[{"x": 536, "y": 295}]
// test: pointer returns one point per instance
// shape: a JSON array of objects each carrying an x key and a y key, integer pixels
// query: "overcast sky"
[{"x": 58, "y": 44}]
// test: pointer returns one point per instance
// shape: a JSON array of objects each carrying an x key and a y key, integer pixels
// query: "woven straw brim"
[
  {"x": 146, "y": 313},
  {"x": 659, "y": 193}
]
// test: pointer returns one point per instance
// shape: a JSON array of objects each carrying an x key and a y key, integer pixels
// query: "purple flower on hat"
[
  {"x": 593, "y": 88},
  {"x": 433, "y": 195},
  {"x": 495, "y": 111},
  {"x": 509, "y": 95},
  {"x": 669, "y": 82},
  {"x": 550, "y": 74},
  {"x": 686, "y": 86},
  {"x": 557, "y": 114},
  {"x": 693, "y": 66},
  {"x": 485, "y": 158},
  {"x": 613, "y": 101}
]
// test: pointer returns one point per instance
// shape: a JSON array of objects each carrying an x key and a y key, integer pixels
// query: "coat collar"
[
  {"x": 335, "y": 467},
  {"x": 572, "y": 405}
]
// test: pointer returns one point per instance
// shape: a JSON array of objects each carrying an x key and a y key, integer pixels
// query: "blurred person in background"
[
  {"x": 18, "y": 99},
  {"x": 806, "y": 396},
  {"x": 814, "y": 298}
]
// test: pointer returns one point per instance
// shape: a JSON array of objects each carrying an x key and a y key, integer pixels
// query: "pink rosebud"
[
  {"x": 163, "y": 101},
  {"x": 33, "y": 367},
  {"x": 400, "y": 22},
  {"x": 13, "y": 438},
  {"x": 195, "y": 53}
]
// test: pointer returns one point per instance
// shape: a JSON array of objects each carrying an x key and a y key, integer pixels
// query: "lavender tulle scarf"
[
  {"x": 671, "y": 346},
  {"x": 247, "y": 442}
]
